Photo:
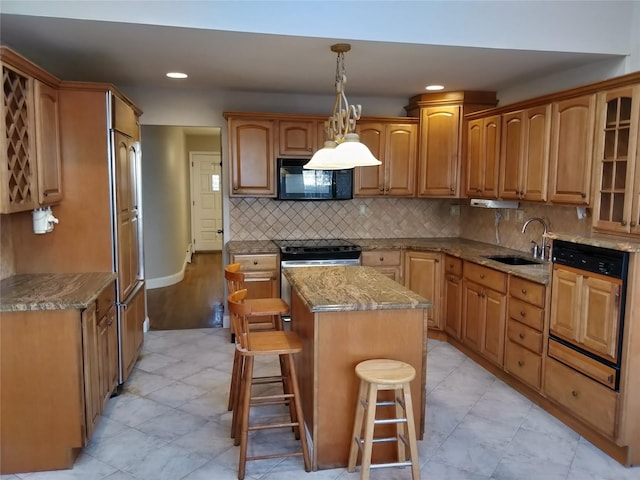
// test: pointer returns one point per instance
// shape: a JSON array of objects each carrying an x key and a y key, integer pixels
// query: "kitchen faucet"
[{"x": 538, "y": 250}]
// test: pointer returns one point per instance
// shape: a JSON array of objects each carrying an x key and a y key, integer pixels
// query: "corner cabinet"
[
  {"x": 395, "y": 145},
  {"x": 30, "y": 140},
  {"x": 617, "y": 203},
  {"x": 571, "y": 151},
  {"x": 483, "y": 157},
  {"x": 423, "y": 275},
  {"x": 252, "y": 157}
]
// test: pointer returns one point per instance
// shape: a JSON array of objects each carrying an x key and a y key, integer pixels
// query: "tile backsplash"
[
  {"x": 480, "y": 224},
  {"x": 267, "y": 219}
]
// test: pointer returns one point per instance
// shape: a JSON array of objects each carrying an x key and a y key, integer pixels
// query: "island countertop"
[
  {"x": 335, "y": 289},
  {"x": 52, "y": 291}
]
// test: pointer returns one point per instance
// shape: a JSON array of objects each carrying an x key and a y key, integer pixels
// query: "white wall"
[{"x": 165, "y": 202}]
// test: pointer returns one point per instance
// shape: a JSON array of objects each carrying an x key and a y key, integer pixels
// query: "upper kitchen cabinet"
[
  {"x": 571, "y": 151},
  {"x": 30, "y": 141},
  {"x": 483, "y": 157},
  {"x": 524, "y": 154},
  {"x": 442, "y": 138},
  {"x": 298, "y": 138},
  {"x": 395, "y": 145},
  {"x": 617, "y": 157},
  {"x": 252, "y": 156}
]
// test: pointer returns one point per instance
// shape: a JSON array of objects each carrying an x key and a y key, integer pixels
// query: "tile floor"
[{"x": 171, "y": 423}]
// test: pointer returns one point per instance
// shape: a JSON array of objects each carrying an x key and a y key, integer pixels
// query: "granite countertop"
[
  {"x": 335, "y": 289},
  {"x": 458, "y": 247},
  {"x": 614, "y": 242},
  {"x": 52, "y": 291}
]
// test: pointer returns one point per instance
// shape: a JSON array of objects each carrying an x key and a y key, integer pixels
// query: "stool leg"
[
  {"x": 357, "y": 426},
  {"x": 411, "y": 429},
  {"x": 245, "y": 402},
  {"x": 370, "y": 417},
  {"x": 400, "y": 428},
  {"x": 235, "y": 377},
  {"x": 237, "y": 394}
]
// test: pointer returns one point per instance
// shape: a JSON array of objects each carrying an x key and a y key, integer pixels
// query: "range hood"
[{"x": 486, "y": 203}]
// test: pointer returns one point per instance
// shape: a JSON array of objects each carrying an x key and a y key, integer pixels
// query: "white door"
[{"x": 206, "y": 200}]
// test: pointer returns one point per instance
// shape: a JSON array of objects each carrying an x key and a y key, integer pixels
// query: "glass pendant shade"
[
  {"x": 354, "y": 153},
  {"x": 325, "y": 158}
]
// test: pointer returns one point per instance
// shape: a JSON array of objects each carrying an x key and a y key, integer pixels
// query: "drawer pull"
[
  {"x": 255, "y": 262},
  {"x": 521, "y": 335},
  {"x": 524, "y": 291},
  {"x": 482, "y": 275},
  {"x": 574, "y": 393},
  {"x": 520, "y": 363},
  {"x": 381, "y": 259},
  {"x": 610, "y": 379},
  {"x": 523, "y": 314}
]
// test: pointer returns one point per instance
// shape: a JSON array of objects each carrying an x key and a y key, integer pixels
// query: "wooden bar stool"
[
  {"x": 376, "y": 375},
  {"x": 250, "y": 344},
  {"x": 259, "y": 309}
]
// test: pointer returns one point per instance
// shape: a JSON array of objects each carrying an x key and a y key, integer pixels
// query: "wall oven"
[
  {"x": 588, "y": 293},
  {"x": 314, "y": 253}
]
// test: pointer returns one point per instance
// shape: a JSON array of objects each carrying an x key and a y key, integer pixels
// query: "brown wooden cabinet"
[
  {"x": 483, "y": 157},
  {"x": 423, "y": 275},
  {"x": 439, "y": 162},
  {"x": 30, "y": 139},
  {"x": 252, "y": 157},
  {"x": 453, "y": 296},
  {"x": 395, "y": 145},
  {"x": 387, "y": 262},
  {"x": 524, "y": 154},
  {"x": 484, "y": 310},
  {"x": 617, "y": 157},
  {"x": 524, "y": 344},
  {"x": 585, "y": 310},
  {"x": 298, "y": 138},
  {"x": 571, "y": 151},
  {"x": 132, "y": 316}
]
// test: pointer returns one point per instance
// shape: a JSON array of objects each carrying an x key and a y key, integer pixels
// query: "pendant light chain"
[{"x": 344, "y": 116}]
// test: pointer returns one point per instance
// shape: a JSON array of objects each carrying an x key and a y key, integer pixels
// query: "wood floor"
[{"x": 189, "y": 303}]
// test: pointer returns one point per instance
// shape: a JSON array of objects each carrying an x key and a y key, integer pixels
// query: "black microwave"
[{"x": 296, "y": 183}]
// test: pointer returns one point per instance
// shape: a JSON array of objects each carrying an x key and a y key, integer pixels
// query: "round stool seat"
[{"x": 384, "y": 371}]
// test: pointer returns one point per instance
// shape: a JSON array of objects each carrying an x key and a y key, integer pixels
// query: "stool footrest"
[
  {"x": 360, "y": 441},
  {"x": 387, "y": 465},
  {"x": 274, "y": 425},
  {"x": 275, "y": 455},
  {"x": 387, "y": 421}
]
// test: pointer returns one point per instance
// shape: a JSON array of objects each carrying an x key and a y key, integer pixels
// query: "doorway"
[{"x": 206, "y": 201}]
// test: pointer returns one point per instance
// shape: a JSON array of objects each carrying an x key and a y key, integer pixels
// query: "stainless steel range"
[{"x": 313, "y": 253}]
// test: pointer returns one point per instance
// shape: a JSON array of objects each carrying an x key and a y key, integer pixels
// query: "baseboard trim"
[{"x": 171, "y": 279}]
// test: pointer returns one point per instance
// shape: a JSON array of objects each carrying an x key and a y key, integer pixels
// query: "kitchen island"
[{"x": 345, "y": 315}]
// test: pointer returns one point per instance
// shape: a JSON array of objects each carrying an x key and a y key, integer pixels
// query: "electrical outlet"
[
  {"x": 454, "y": 210},
  {"x": 519, "y": 215}
]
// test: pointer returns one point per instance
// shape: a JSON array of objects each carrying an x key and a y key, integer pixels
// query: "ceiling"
[{"x": 128, "y": 54}]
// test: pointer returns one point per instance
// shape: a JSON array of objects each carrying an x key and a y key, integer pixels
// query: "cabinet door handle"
[
  {"x": 381, "y": 188},
  {"x": 255, "y": 262},
  {"x": 524, "y": 291},
  {"x": 482, "y": 275},
  {"x": 632, "y": 224},
  {"x": 523, "y": 314},
  {"x": 574, "y": 393},
  {"x": 520, "y": 363},
  {"x": 583, "y": 195},
  {"x": 381, "y": 259},
  {"x": 623, "y": 223},
  {"x": 521, "y": 335}
]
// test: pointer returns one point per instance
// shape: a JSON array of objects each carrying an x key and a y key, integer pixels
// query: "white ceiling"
[{"x": 133, "y": 54}]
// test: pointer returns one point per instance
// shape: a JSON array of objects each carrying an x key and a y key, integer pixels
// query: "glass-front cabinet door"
[{"x": 617, "y": 194}]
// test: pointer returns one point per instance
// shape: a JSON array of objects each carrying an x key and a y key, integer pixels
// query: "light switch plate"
[
  {"x": 519, "y": 215},
  {"x": 454, "y": 210}
]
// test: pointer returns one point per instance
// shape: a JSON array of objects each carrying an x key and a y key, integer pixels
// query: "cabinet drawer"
[
  {"x": 106, "y": 299},
  {"x": 522, "y": 363},
  {"x": 528, "y": 291},
  {"x": 527, "y": 314},
  {"x": 379, "y": 258},
  {"x": 487, "y": 277},
  {"x": 256, "y": 262},
  {"x": 525, "y": 336},
  {"x": 453, "y": 266},
  {"x": 595, "y": 404},
  {"x": 590, "y": 367}
]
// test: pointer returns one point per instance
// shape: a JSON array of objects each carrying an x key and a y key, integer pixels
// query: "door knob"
[{"x": 219, "y": 231}]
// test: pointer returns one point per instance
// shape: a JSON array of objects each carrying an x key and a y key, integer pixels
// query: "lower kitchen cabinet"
[
  {"x": 423, "y": 275},
  {"x": 453, "y": 296},
  {"x": 484, "y": 310},
  {"x": 387, "y": 262},
  {"x": 52, "y": 367}
]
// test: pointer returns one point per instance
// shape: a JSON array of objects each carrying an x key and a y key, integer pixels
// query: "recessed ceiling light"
[
  {"x": 434, "y": 87},
  {"x": 177, "y": 75}
]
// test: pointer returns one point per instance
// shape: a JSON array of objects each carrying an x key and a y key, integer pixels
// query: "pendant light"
[{"x": 343, "y": 148}]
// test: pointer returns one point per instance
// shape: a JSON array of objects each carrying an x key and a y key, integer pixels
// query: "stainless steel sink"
[{"x": 512, "y": 260}]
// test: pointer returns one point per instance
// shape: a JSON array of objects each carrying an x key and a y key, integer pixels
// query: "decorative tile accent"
[{"x": 267, "y": 219}]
